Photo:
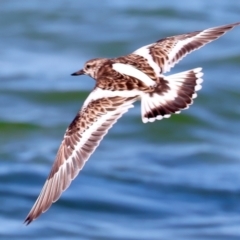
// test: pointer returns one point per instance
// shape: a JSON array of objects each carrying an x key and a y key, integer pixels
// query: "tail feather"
[{"x": 173, "y": 94}]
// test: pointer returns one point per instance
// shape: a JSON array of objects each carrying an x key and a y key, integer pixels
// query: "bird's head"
[{"x": 90, "y": 67}]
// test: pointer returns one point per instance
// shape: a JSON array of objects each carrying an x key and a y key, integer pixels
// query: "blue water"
[{"x": 178, "y": 178}]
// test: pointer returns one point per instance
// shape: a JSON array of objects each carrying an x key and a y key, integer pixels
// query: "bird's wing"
[
  {"x": 165, "y": 53},
  {"x": 99, "y": 112}
]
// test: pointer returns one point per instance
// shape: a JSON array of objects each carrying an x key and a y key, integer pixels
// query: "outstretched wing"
[
  {"x": 165, "y": 53},
  {"x": 100, "y": 111}
]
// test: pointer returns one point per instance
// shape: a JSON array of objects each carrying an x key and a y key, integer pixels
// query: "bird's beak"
[{"x": 80, "y": 72}]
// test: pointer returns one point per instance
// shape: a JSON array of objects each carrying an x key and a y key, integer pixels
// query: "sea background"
[{"x": 175, "y": 179}]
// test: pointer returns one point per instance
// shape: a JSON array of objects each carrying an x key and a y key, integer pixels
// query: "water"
[{"x": 178, "y": 178}]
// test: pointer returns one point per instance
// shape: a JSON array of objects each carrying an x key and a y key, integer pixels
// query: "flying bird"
[{"x": 119, "y": 83}]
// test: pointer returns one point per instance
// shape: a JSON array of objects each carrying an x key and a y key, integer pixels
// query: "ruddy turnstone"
[{"x": 119, "y": 83}]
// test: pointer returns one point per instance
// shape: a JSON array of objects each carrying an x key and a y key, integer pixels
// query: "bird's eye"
[{"x": 87, "y": 66}]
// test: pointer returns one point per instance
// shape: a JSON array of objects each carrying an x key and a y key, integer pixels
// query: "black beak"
[{"x": 80, "y": 72}]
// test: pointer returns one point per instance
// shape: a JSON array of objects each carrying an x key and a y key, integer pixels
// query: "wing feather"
[
  {"x": 165, "y": 53},
  {"x": 80, "y": 140}
]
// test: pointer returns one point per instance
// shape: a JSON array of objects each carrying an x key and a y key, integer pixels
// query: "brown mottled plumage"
[
  {"x": 140, "y": 63},
  {"x": 119, "y": 83}
]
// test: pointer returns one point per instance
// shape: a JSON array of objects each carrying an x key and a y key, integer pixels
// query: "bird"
[{"x": 120, "y": 82}]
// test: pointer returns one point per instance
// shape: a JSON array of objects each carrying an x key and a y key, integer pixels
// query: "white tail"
[{"x": 174, "y": 93}]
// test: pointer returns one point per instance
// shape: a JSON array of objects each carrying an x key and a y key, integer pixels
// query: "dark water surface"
[{"x": 178, "y": 178}]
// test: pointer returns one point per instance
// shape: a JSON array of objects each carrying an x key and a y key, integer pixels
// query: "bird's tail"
[{"x": 171, "y": 95}]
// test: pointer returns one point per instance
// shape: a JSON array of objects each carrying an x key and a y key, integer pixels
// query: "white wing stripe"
[
  {"x": 99, "y": 93},
  {"x": 133, "y": 72}
]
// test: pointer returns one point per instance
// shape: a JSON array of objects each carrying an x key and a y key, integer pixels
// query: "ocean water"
[{"x": 178, "y": 178}]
